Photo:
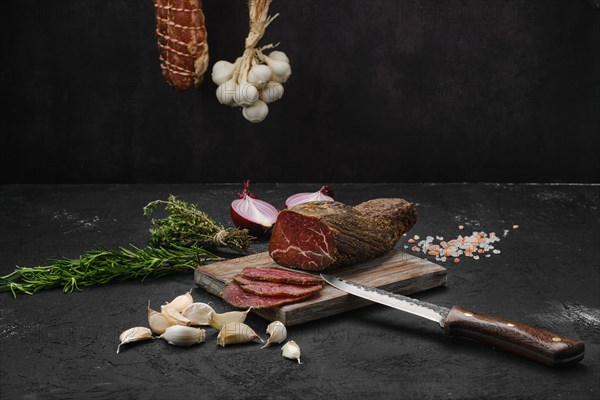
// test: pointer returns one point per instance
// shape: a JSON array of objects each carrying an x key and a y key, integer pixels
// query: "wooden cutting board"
[{"x": 395, "y": 271}]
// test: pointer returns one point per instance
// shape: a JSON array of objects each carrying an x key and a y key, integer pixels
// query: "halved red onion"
[
  {"x": 324, "y": 194},
  {"x": 248, "y": 212}
]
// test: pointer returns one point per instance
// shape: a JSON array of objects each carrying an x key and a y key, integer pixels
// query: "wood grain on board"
[{"x": 395, "y": 271}]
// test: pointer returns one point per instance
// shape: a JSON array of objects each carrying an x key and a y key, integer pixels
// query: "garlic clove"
[
  {"x": 273, "y": 91},
  {"x": 245, "y": 94},
  {"x": 222, "y": 72},
  {"x": 179, "y": 335},
  {"x": 136, "y": 334},
  {"x": 277, "y": 333},
  {"x": 172, "y": 314},
  {"x": 235, "y": 333},
  {"x": 292, "y": 351},
  {"x": 181, "y": 302},
  {"x": 279, "y": 55},
  {"x": 218, "y": 320},
  {"x": 256, "y": 112},
  {"x": 259, "y": 75},
  {"x": 198, "y": 313},
  {"x": 281, "y": 70},
  {"x": 226, "y": 92},
  {"x": 157, "y": 321}
]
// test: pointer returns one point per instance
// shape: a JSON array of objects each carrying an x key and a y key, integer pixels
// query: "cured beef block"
[
  {"x": 323, "y": 235},
  {"x": 234, "y": 295},
  {"x": 182, "y": 45},
  {"x": 265, "y": 288}
]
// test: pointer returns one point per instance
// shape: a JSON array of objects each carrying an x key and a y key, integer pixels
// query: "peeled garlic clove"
[
  {"x": 181, "y": 302},
  {"x": 259, "y": 75},
  {"x": 281, "y": 69},
  {"x": 235, "y": 333},
  {"x": 245, "y": 95},
  {"x": 279, "y": 55},
  {"x": 157, "y": 321},
  {"x": 272, "y": 92},
  {"x": 222, "y": 71},
  {"x": 292, "y": 351},
  {"x": 198, "y": 313},
  {"x": 226, "y": 92},
  {"x": 136, "y": 334},
  {"x": 277, "y": 333},
  {"x": 172, "y": 314},
  {"x": 218, "y": 320},
  {"x": 256, "y": 112},
  {"x": 179, "y": 335}
]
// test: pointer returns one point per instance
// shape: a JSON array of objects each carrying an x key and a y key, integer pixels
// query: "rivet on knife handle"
[{"x": 534, "y": 343}]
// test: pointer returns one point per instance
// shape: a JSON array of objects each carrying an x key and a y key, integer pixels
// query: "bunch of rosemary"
[
  {"x": 101, "y": 266},
  {"x": 180, "y": 243},
  {"x": 186, "y": 225}
]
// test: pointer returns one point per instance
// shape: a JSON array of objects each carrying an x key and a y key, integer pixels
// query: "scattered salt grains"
[{"x": 473, "y": 246}]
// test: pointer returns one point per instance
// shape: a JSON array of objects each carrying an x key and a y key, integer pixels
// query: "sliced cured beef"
[
  {"x": 234, "y": 295},
  {"x": 280, "y": 275},
  {"x": 323, "y": 235},
  {"x": 265, "y": 288}
]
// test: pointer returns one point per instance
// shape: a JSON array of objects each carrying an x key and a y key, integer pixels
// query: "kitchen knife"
[{"x": 534, "y": 343}]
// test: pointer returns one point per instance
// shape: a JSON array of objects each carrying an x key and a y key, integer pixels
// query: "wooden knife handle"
[{"x": 534, "y": 343}]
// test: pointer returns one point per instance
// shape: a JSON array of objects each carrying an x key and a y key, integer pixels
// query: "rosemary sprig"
[
  {"x": 186, "y": 225},
  {"x": 101, "y": 266}
]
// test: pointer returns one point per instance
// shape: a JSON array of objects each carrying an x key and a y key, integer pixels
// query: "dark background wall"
[{"x": 382, "y": 90}]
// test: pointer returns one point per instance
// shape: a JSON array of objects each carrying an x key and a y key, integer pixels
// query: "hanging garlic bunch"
[{"x": 253, "y": 80}]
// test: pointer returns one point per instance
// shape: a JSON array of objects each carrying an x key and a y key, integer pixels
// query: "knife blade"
[{"x": 531, "y": 342}]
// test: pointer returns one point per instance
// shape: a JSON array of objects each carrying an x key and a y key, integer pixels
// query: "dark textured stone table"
[{"x": 62, "y": 346}]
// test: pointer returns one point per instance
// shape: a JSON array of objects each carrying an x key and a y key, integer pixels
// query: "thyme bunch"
[
  {"x": 186, "y": 225},
  {"x": 101, "y": 266}
]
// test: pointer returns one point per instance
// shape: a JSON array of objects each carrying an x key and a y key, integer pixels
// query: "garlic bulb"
[
  {"x": 256, "y": 112},
  {"x": 198, "y": 313},
  {"x": 245, "y": 94},
  {"x": 259, "y": 75},
  {"x": 277, "y": 333},
  {"x": 235, "y": 333},
  {"x": 222, "y": 72},
  {"x": 241, "y": 82},
  {"x": 281, "y": 69},
  {"x": 226, "y": 91},
  {"x": 279, "y": 55},
  {"x": 172, "y": 314},
  {"x": 218, "y": 320},
  {"x": 136, "y": 334},
  {"x": 273, "y": 91},
  {"x": 157, "y": 321},
  {"x": 181, "y": 302},
  {"x": 292, "y": 351},
  {"x": 179, "y": 335}
]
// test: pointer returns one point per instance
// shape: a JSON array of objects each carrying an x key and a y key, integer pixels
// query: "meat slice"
[
  {"x": 265, "y": 288},
  {"x": 280, "y": 275},
  {"x": 234, "y": 295},
  {"x": 323, "y": 235}
]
